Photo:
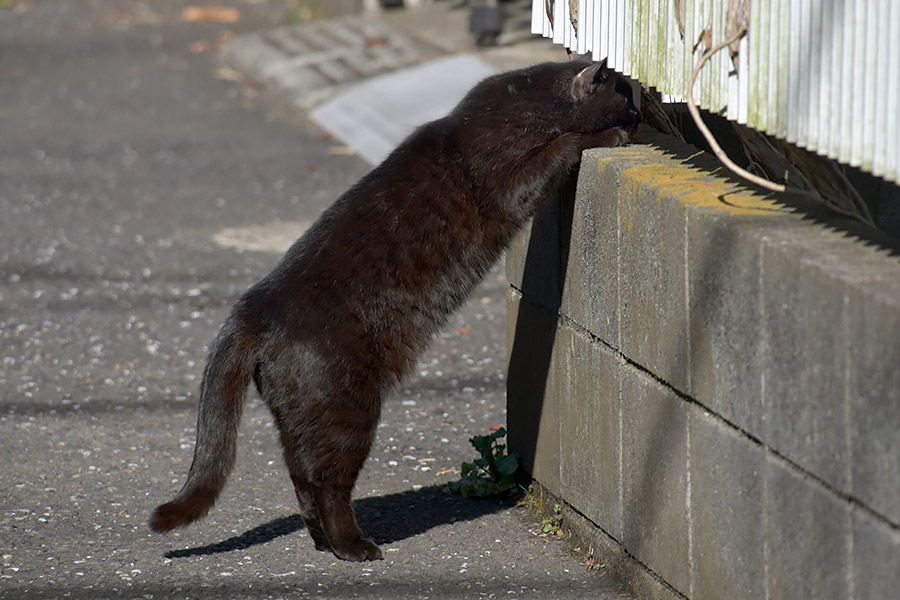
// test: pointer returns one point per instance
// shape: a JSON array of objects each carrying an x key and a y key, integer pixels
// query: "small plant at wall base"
[
  {"x": 549, "y": 525},
  {"x": 552, "y": 525},
  {"x": 492, "y": 474}
]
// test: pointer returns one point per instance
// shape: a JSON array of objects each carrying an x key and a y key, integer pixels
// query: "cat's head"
[
  {"x": 600, "y": 98},
  {"x": 546, "y": 100}
]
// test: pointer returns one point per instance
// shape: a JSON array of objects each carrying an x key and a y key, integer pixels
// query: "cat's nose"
[{"x": 634, "y": 118}]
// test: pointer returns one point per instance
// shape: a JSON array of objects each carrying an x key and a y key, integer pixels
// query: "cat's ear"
[{"x": 587, "y": 80}]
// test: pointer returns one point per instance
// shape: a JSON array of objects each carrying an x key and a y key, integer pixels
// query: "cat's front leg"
[{"x": 542, "y": 172}]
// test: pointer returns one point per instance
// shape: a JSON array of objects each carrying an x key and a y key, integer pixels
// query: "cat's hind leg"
[
  {"x": 339, "y": 522},
  {"x": 286, "y": 415},
  {"x": 309, "y": 512},
  {"x": 336, "y": 458},
  {"x": 327, "y": 511},
  {"x": 325, "y": 445},
  {"x": 326, "y": 419},
  {"x": 303, "y": 489}
]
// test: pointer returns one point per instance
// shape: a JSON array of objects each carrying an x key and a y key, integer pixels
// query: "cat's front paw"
[
  {"x": 608, "y": 138},
  {"x": 613, "y": 137}
]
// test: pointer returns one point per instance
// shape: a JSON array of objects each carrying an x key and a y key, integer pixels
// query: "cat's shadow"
[{"x": 386, "y": 519}]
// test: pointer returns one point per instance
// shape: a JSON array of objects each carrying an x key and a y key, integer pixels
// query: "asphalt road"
[{"x": 142, "y": 189}]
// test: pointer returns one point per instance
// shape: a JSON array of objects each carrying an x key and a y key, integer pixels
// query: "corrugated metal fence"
[{"x": 823, "y": 74}]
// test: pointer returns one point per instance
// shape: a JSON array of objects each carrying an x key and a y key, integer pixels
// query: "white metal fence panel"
[{"x": 823, "y": 74}]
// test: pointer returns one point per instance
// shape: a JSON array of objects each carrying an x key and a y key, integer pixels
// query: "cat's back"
[{"x": 396, "y": 233}]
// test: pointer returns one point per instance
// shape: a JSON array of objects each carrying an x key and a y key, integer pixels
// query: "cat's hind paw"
[{"x": 359, "y": 551}]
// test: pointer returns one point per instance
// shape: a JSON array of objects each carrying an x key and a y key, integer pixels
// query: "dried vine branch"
[{"x": 859, "y": 213}]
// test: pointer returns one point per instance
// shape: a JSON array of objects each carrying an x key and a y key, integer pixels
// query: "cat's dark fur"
[{"x": 354, "y": 301}]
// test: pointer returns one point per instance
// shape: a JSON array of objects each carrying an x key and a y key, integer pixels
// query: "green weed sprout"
[{"x": 492, "y": 473}]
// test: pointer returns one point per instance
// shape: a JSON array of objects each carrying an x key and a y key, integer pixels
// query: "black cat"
[{"x": 354, "y": 301}]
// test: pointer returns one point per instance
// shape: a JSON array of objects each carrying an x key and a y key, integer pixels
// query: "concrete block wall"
[{"x": 710, "y": 379}]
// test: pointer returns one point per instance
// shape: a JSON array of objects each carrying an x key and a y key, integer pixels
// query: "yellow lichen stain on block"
[
  {"x": 621, "y": 154},
  {"x": 602, "y": 163},
  {"x": 698, "y": 189},
  {"x": 628, "y": 210}
]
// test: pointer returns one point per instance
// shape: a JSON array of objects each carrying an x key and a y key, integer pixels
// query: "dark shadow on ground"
[{"x": 385, "y": 519}]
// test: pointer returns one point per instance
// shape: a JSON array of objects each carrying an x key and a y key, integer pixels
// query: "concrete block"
[
  {"x": 618, "y": 564},
  {"x": 301, "y": 84},
  {"x": 873, "y": 326},
  {"x": 652, "y": 293},
  {"x": 591, "y": 289},
  {"x": 287, "y": 41},
  {"x": 590, "y": 469},
  {"x": 727, "y": 471},
  {"x": 660, "y": 185},
  {"x": 533, "y": 259},
  {"x": 654, "y": 477},
  {"x": 532, "y": 413},
  {"x": 514, "y": 259},
  {"x": 876, "y": 558},
  {"x": 807, "y": 535},
  {"x": 725, "y": 311},
  {"x": 660, "y": 281},
  {"x": 805, "y": 355}
]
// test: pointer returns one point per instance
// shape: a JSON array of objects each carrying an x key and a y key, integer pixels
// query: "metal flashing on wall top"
[{"x": 822, "y": 74}]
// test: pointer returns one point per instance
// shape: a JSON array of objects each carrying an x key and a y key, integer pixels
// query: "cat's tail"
[{"x": 232, "y": 360}]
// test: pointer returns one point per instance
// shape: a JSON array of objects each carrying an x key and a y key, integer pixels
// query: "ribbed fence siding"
[{"x": 824, "y": 74}]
